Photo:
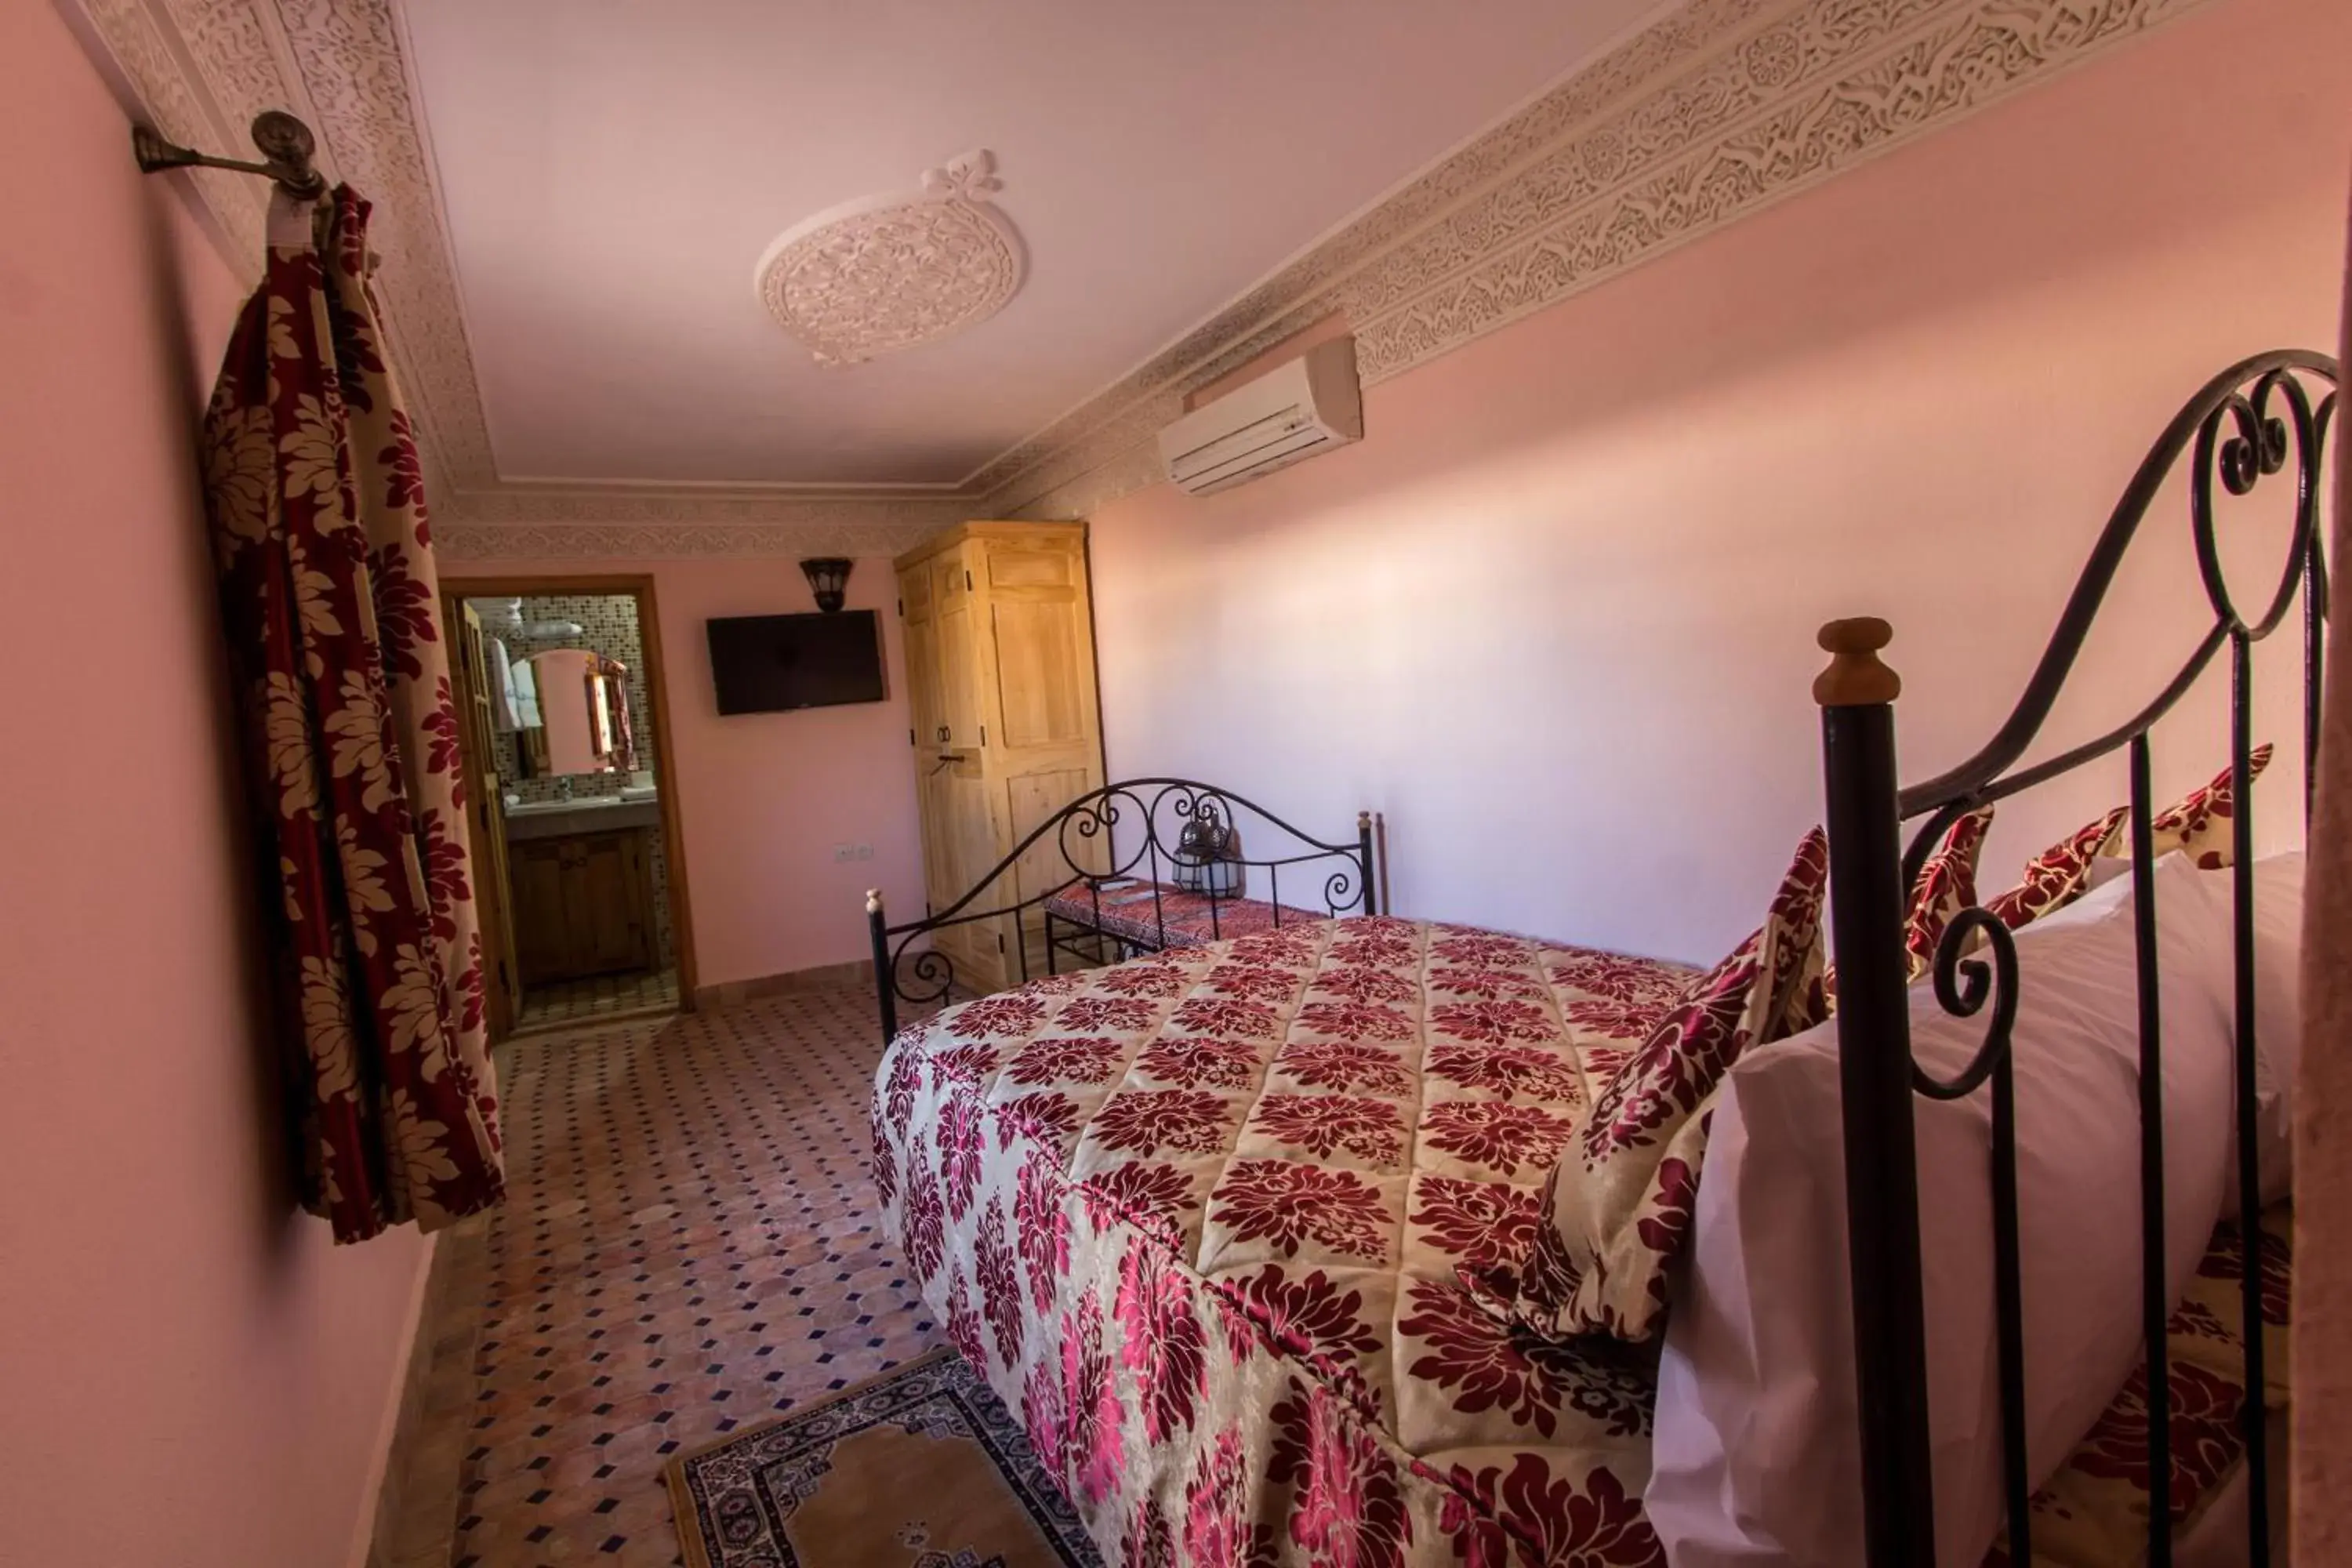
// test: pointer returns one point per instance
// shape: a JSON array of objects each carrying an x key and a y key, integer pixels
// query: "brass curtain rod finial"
[
  {"x": 1856, "y": 677},
  {"x": 286, "y": 146}
]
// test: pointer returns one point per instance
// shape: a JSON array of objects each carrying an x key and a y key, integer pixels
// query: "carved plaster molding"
[
  {"x": 1715, "y": 111},
  {"x": 147, "y": 47},
  {"x": 884, "y": 273},
  {"x": 684, "y": 539},
  {"x": 639, "y": 522}
]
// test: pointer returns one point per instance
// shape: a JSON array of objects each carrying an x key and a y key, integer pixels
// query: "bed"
[
  {"x": 1221, "y": 1223},
  {"x": 1246, "y": 1174}
]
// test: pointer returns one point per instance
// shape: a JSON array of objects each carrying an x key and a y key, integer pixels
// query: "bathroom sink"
[
  {"x": 591, "y": 813},
  {"x": 586, "y": 803}
]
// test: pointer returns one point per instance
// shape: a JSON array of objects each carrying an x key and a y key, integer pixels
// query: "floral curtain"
[{"x": 332, "y": 613}]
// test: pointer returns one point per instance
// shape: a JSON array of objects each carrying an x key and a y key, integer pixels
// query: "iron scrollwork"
[
  {"x": 1150, "y": 831},
  {"x": 1964, "y": 985}
]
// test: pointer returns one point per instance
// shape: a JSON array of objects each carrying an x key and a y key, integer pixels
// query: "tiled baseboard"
[{"x": 825, "y": 977}]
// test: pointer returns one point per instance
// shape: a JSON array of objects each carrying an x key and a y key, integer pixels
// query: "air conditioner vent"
[{"x": 1301, "y": 408}]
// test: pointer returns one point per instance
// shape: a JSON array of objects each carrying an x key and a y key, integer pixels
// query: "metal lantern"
[
  {"x": 828, "y": 578},
  {"x": 1209, "y": 855}
]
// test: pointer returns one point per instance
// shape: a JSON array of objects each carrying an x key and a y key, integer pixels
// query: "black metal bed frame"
[
  {"x": 1106, "y": 835},
  {"x": 2263, "y": 417}
]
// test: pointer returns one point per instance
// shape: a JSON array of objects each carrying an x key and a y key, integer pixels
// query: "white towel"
[
  {"x": 503, "y": 716},
  {"x": 526, "y": 696}
]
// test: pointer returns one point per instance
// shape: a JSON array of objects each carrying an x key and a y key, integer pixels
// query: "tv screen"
[{"x": 766, "y": 664}]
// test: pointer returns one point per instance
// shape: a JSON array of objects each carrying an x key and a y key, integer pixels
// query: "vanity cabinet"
[
  {"x": 1000, "y": 651},
  {"x": 584, "y": 904}
]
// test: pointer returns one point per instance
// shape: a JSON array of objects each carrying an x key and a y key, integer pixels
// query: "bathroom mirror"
[
  {"x": 572, "y": 701},
  {"x": 565, "y": 693}
]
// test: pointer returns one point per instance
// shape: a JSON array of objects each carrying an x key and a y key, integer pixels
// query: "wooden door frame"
[{"x": 638, "y": 585}]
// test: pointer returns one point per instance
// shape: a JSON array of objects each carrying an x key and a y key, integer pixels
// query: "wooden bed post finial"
[{"x": 1856, "y": 677}]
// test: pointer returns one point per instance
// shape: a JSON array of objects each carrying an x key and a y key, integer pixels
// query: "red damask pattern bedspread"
[
  {"x": 1156, "y": 916},
  {"x": 1198, "y": 1219}
]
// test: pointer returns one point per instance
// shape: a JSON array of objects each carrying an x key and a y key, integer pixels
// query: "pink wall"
[
  {"x": 190, "y": 1373},
  {"x": 1556, "y": 614},
  {"x": 764, "y": 798}
]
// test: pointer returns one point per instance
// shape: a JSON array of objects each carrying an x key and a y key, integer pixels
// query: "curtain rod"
[{"x": 285, "y": 143}]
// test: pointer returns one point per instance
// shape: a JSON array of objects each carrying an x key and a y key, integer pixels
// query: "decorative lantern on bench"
[{"x": 1209, "y": 855}]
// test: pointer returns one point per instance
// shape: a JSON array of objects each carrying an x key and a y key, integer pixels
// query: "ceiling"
[
  {"x": 609, "y": 171},
  {"x": 567, "y": 250}
]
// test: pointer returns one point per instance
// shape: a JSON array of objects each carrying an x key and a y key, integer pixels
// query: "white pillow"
[
  {"x": 1756, "y": 1451},
  {"x": 2278, "y": 1012}
]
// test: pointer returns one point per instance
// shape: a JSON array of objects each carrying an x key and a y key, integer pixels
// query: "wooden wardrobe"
[{"x": 1007, "y": 728}]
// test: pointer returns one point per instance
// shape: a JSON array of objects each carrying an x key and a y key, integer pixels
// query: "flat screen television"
[{"x": 767, "y": 664}]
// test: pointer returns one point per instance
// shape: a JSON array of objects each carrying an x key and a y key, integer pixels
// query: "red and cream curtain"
[{"x": 330, "y": 601}]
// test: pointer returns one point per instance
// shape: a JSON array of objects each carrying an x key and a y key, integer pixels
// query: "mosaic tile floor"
[
  {"x": 597, "y": 997},
  {"x": 689, "y": 1248}
]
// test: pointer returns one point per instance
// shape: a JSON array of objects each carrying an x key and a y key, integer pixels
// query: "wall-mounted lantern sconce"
[{"x": 828, "y": 577}]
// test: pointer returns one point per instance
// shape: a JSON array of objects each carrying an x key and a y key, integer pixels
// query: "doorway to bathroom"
[{"x": 573, "y": 799}]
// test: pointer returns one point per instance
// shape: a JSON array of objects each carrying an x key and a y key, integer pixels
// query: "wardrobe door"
[
  {"x": 926, "y": 711},
  {"x": 1042, "y": 672},
  {"x": 957, "y": 821},
  {"x": 958, "y": 650},
  {"x": 1045, "y": 748}
]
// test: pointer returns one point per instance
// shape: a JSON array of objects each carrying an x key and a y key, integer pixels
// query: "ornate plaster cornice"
[
  {"x": 1715, "y": 111},
  {"x": 649, "y": 523},
  {"x": 681, "y": 539}
]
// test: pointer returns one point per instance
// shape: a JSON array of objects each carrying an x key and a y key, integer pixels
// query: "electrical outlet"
[{"x": 865, "y": 852}]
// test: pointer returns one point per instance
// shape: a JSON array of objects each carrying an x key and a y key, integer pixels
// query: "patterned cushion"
[
  {"x": 1618, "y": 1202},
  {"x": 2200, "y": 821},
  {"x": 1946, "y": 885},
  {"x": 2060, "y": 873}
]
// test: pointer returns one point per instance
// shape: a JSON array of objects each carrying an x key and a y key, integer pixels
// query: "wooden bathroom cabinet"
[{"x": 584, "y": 904}]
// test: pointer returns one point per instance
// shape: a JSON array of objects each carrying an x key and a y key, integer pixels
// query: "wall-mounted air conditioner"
[{"x": 1309, "y": 404}]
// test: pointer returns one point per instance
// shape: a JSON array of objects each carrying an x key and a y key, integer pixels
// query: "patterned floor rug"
[{"x": 920, "y": 1467}]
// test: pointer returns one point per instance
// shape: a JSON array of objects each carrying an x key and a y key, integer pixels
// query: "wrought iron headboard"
[
  {"x": 2262, "y": 417},
  {"x": 1131, "y": 829}
]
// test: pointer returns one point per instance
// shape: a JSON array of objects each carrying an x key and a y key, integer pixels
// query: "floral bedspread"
[
  {"x": 1198, "y": 1219},
  {"x": 1156, "y": 915}
]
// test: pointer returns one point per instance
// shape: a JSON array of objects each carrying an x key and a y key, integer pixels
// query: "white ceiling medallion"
[{"x": 884, "y": 273}]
